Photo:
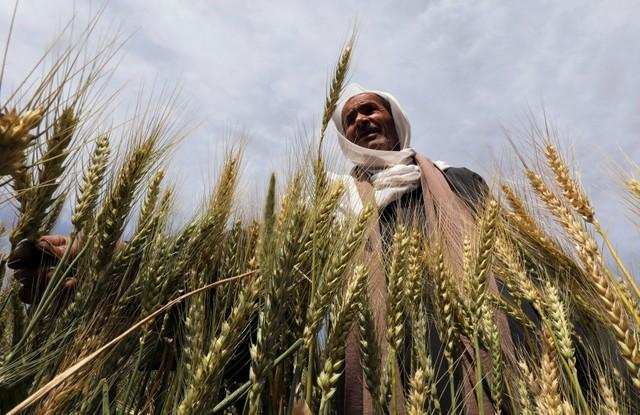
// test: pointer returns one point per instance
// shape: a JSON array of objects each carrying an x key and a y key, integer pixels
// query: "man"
[{"x": 374, "y": 134}]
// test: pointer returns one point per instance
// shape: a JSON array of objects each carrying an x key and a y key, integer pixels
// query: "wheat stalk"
[
  {"x": 445, "y": 303},
  {"x": 370, "y": 353},
  {"x": 395, "y": 282},
  {"x": 336, "y": 341},
  {"x": 592, "y": 260},
  {"x": 89, "y": 190},
  {"x": 209, "y": 366},
  {"x": 149, "y": 204},
  {"x": 561, "y": 327},
  {"x": 415, "y": 277},
  {"x": 335, "y": 88},
  {"x": 609, "y": 405},
  {"x": 633, "y": 185},
  {"x": 549, "y": 400},
  {"x": 329, "y": 284},
  {"x": 497, "y": 362},
  {"x": 570, "y": 188},
  {"x": 39, "y": 198},
  {"x": 523, "y": 395}
]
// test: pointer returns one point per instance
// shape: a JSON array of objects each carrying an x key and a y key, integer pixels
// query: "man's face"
[{"x": 367, "y": 122}]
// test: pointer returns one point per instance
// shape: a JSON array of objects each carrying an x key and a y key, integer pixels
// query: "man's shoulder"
[
  {"x": 467, "y": 184},
  {"x": 462, "y": 174}
]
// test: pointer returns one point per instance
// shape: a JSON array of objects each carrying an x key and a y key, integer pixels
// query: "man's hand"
[{"x": 34, "y": 264}]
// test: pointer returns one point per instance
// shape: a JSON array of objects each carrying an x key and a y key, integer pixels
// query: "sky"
[{"x": 464, "y": 72}]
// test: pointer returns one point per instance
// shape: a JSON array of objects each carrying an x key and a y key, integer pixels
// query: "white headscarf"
[{"x": 393, "y": 172}]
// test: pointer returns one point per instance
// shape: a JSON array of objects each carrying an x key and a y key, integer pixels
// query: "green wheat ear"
[
  {"x": 89, "y": 189},
  {"x": 270, "y": 206},
  {"x": 39, "y": 199},
  {"x": 335, "y": 88}
]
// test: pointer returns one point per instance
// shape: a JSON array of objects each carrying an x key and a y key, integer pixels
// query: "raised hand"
[{"x": 34, "y": 262}]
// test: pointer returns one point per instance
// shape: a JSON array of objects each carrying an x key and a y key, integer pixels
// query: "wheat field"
[{"x": 228, "y": 315}]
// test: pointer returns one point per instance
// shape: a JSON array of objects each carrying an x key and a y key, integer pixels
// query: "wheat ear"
[
  {"x": 445, "y": 303},
  {"x": 209, "y": 367},
  {"x": 15, "y": 138},
  {"x": 592, "y": 260},
  {"x": 580, "y": 203},
  {"x": 549, "y": 400},
  {"x": 561, "y": 327},
  {"x": 422, "y": 386},
  {"x": 488, "y": 228},
  {"x": 40, "y": 197},
  {"x": 521, "y": 217},
  {"x": 608, "y": 405},
  {"x": 343, "y": 317},
  {"x": 494, "y": 343},
  {"x": 89, "y": 189},
  {"x": 278, "y": 254},
  {"x": 329, "y": 284},
  {"x": 395, "y": 282},
  {"x": 523, "y": 396},
  {"x": 370, "y": 354},
  {"x": 111, "y": 218},
  {"x": 335, "y": 89},
  {"x": 633, "y": 185},
  {"x": 414, "y": 281},
  {"x": 570, "y": 188},
  {"x": 150, "y": 200}
]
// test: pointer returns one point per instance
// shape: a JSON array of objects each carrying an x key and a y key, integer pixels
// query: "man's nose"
[{"x": 361, "y": 119}]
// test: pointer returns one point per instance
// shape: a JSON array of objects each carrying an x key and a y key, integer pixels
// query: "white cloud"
[{"x": 461, "y": 70}]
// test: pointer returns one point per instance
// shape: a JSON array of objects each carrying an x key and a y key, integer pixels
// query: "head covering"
[
  {"x": 393, "y": 173},
  {"x": 366, "y": 157}
]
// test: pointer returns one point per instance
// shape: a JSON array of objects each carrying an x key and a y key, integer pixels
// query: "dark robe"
[{"x": 409, "y": 208}]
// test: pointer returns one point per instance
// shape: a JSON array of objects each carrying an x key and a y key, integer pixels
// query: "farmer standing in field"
[{"x": 374, "y": 134}]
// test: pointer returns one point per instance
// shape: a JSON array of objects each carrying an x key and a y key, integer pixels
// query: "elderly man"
[{"x": 374, "y": 134}]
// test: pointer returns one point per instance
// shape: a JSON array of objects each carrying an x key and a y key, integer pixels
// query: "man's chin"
[{"x": 378, "y": 143}]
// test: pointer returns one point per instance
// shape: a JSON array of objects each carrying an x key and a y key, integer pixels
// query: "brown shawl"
[{"x": 447, "y": 218}]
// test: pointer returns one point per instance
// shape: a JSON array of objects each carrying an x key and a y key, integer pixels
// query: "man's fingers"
[
  {"x": 70, "y": 283},
  {"x": 44, "y": 275},
  {"x": 55, "y": 240},
  {"x": 34, "y": 281},
  {"x": 31, "y": 291},
  {"x": 23, "y": 255},
  {"x": 54, "y": 244},
  {"x": 26, "y": 274},
  {"x": 25, "y": 295}
]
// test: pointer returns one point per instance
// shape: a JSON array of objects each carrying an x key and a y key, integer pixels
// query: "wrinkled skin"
[
  {"x": 367, "y": 121},
  {"x": 34, "y": 276}
]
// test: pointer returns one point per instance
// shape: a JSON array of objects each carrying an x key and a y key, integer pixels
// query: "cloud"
[{"x": 462, "y": 70}]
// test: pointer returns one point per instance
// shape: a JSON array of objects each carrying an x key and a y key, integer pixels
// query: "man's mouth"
[
  {"x": 369, "y": 136},
  {"x": 368, "y": 133}
]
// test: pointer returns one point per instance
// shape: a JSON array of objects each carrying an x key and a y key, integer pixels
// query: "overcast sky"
[{"x": 462, "y": 71}]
